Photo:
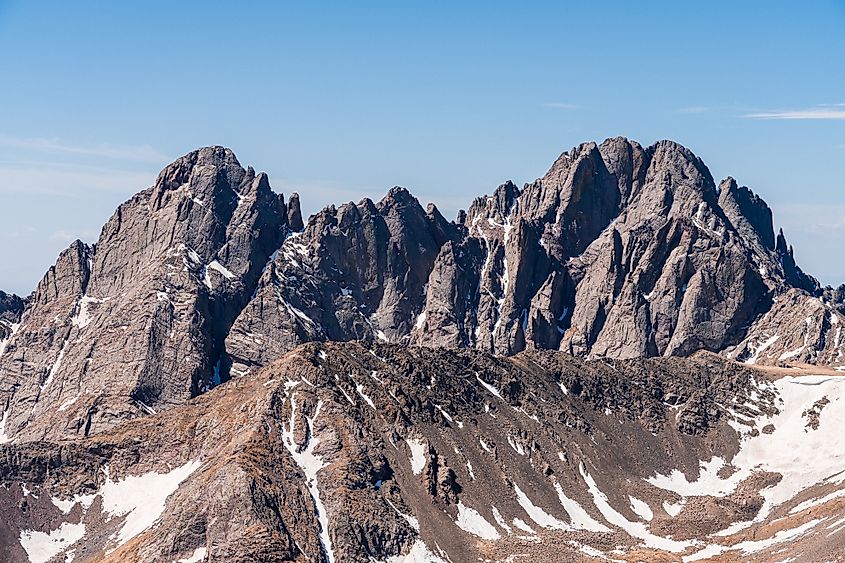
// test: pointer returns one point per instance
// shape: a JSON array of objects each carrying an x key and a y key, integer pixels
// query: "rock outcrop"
[
  {"x": 797, "y": 329},
  {"x": 357, "y": 272},
  {"x": 11, "y": 309},
  {"x": 136, "y": 322}
]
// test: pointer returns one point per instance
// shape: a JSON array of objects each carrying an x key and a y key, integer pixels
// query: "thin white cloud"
[
  {"x": 819, "y": 112},
  {"x": 561, "y": 105},
  {"x": 693, "y": 109},
  {"x": 69, "y": 180},
  {"x": 70, "y": 236},
  {"x": 815, "y": 230},
  {"x": 142, "y": 153},
  {"x": 811, "y": 217}
]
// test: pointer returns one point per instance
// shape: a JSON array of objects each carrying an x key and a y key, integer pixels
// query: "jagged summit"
[
  {"x": 617, "y": 251},
  {"x": 692, "y": 265},
  {"x": 136, "y": 321}
]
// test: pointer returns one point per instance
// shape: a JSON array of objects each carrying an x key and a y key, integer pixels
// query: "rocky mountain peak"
[
  {"x": 382, "y": 384},
  {"x": 618, "y": 250},
  {"x": 136, "y": 322},
  {"x": 68, "y": 277},
  {"x": 209, "y": 173},
  {"x": 748, "y": 212},
  {"x": 294, "y": 217},
  {"x": 792, "y": 272},
  {"x": 397, "y": 195}
]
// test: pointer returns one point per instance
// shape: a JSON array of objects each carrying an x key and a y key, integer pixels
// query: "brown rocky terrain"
[{"x": 342, "y": 452}]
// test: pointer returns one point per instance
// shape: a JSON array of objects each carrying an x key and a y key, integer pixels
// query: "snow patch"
[
  {"x": 752, "y": 546},
  {"x": 641, "y": 508},
  {"x": 517, "y": 447},
  {"x": 217, "y": 267},
  {"x": 519, "y": 523},
  {"x": 762, "y": 347},
  {"x": 40, "y": 547},
  {"x": 82, "y": 316},
  {"x": 360, "y": 390},
  {"x": 54, "y": 369},
  {"x": 141, "y": 499},
  {"x": 792, "y": 354},
  {"x": 413, "y": 522},
  {"x": 418, "y": 454},
  {"x": 802, "y": 456},
  {"x": 66, "y": 505},
  {"x": 13, "y": 329},
  {"x": 634, "y": 529},
  {"x": 580, "y": 518},
  {"x": 537, "y": 514},
  {"x": 197, "y": 556},
  {"x": 489, "y": 387},
  {"x": 419, "y": 553},
  {"x": 469, "y": 520},
  {"x": 297, "y": 312},
  {"x": 64, "y": 406},
  {"x": 818, "y": 501},
  {"x": 708, "y": 483},
  {"x": 673, "y": 509},
  {"x": 501, "y": 521},
  {"x": 486, "y": 447},
  {"x": 3, "y": 438},
  {"x": 310, "y": 463}
]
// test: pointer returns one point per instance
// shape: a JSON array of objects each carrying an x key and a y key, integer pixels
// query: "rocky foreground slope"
[
  {"x": 341, "y": 452},
  {"x": 564, "y": 371}
]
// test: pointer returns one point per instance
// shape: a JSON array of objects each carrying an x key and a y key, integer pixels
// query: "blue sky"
[{"x": 342, "y": 100}]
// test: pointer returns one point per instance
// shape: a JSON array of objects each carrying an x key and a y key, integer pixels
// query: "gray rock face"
[
  {"x": 618, "y": 251},
  {"x": 836, "y": 297},
  {"x": 749, "y": 214},
  {"x": 798, "y": 328},
  {"x": 11, "y": 309},
  {"x": 356, "y": 273},
  {"x": 136, "y": 322}
]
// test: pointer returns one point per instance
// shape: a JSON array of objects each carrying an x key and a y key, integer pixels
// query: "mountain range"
[{"x": 618, "y": 361}]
